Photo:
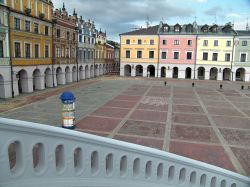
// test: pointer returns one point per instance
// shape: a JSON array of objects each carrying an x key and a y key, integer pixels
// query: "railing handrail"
[{"x": 55, "y": 132}]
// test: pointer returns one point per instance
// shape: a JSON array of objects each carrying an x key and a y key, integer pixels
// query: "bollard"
[
  {"x": 242, "y": 87},
  {"x": 193, "y": 84},
  {"x": 221, "y": 86},
  {"x": 165, "y": 83},
  {"x": 68, "y": 110}
]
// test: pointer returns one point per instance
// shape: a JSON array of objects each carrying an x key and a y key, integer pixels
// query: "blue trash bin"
[{"x": 68, "y": 110}]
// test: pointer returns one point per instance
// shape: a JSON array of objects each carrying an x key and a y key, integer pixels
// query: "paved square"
[{"x": 202, "y": 122}]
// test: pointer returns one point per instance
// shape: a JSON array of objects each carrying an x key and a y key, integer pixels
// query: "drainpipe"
[
  {"x": 196, "y": 54},
  {"x": 158, "y": 63},
  {"x": 10, "y": 55},
  {"x": 232, "y": 59}
]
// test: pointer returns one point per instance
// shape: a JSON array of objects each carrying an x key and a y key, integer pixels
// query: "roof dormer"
[
  {"x": 189, "y": 28},
  {"x": 204, "y": 28},
  {"x": 177, "y": 28},
  {"x": 214, "y": 28},
  {"x": 165, "y": 28}
]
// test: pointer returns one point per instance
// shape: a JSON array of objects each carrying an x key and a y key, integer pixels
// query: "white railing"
[{"x": 43, "y": 156}]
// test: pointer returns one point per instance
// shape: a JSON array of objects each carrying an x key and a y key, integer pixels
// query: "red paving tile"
[
  {"x": 232, "y": 122},
  {"x": 143, "y": 128},
  {"x": 210, "y": 154},
  {"x": 159, "y": 94},
  {"x": 97, "y": 124},
  {"x": 236, "y": 137},
  {"x": 224, "y": 111},
  {"x": 190, "y": 96},
  {"x": 242, "y": 105},
  {"x": 217, "y": 104},
  {"x": 111, "y": 112},
  {"x": 127, "y": 97},
  {"x": 186, "y": 101},
  {"x": 243, "y": 155},
  {"x": 192, "y": 119},
  {"x": 149, "y": 115},
  {"x": 133, "y": 93},
  {"x": 141, "y": 141},
  {"x": 197, "y": 134},
  {"x": 187, "y": 109},
  {"x": 120, "y": 104},
  {"x": 153, "y": 107}
]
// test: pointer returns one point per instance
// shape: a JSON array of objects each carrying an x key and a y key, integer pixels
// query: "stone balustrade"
[{"x": 39, "y": 155}]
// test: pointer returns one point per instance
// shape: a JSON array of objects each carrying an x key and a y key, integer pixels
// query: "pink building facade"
[{"x": 177, "y": 56}]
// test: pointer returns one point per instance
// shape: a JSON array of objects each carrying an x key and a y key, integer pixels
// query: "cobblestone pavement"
[{"x": 204, "y": 122}]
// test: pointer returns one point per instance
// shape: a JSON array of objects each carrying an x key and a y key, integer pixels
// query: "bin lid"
[{"x": 67, "y": 96}]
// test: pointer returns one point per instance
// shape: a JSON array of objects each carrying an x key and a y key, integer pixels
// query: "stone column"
[{"x": 207, "y": 75}]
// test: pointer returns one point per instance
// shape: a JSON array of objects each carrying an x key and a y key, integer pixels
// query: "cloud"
[
  {"x": 118, "y": 16},
  {"x": 233, "y": 15},
  {"x": 214, "y": 11}
]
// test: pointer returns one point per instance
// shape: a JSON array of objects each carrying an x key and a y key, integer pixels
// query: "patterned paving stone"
[
  {"x": 192, "y": 119},
  {"x": 186, "y": 101},
  {"x": 159, "y": 94},
  {"x": 143, "y": 128},
  {"x": 153, "y": 107},
  {"x": 242, "y": 105},
  {"x": 153, "y": 103},
  {"x": 247, "y": 112},
  {"x": 224, "y": 111},
  {"x": 197, "y": 134},
  {"x": 238, "y": 99},
  {"x": 213, "y": 98},
  {"x": 204, "y": 153},
  {"x": 127, "y": 97},
  {"x": 157, "y": 144},
  {"x": 187, "y": 109},
  {"x": 236, "y": 137},
  {"x": 149, "y": 115},
  {"x": 120, "y": 104},
  {"x": 190, "y": 96},
  {"x": 97, "y": 124},
  {"x": 243, "y": 155},
  {"x": 232, "y": 122},
  {"x": 133, "y": 93},
  {"x": 111, "y": 112},
  {"x": 217, "y": 104}
]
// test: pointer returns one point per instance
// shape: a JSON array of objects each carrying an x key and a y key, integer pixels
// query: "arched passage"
[
  {"x": 240, "y": 74},
  {"x": 226, "y": 74},
  {"x": 2, "y": 90},
  {"x": 127, "y": 70},
  {"x": 151, "y": 71},
  {"x": 100, "y": 70},
  {"x": 37, "y": 80},
  {"x": 175, "y": 72},
  {"x": 139, "y": 70},
  {"x": 68, "y": 75},
  {"x": 87, "y": 72},
  {"x": 213, "y": 73},
  {"x": 22, "y": 81},
  {"x": 81, "y": 73},
  {"x": 163, "y": 71},
  {"x": 91, "y": 71},
  {"x": 96, "y": 70},
  {"x": 74, "y": 74},
  {"x": 48, "y": 78},
  {"x": 188, "y": 73},
  {"x": 201, "y": 73},
  {"x": 59, "y": 76}
]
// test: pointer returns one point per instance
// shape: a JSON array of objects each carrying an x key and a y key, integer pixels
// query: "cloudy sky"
[{"x": 119, "y": 16}]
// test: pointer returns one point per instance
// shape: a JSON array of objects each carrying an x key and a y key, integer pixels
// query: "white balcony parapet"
[{"x": 46, "y": 156}]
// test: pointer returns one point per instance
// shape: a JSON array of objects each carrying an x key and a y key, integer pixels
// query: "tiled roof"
[
  {"x": 145, "y": 31},
  {"x": 243, "y": 33}
]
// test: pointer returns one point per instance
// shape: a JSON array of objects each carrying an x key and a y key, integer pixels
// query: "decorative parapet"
[
  {"x": 49, "y": 156},
  {"x": 4, "y": 61}
]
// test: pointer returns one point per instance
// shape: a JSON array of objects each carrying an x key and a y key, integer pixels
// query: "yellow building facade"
[{"x": 139, "y": 53}]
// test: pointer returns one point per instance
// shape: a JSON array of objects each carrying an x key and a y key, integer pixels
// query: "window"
[
  {"x": 58, "y": 33},
  {"x": 17, "y": 50},
  {"x": 67, "y": 35},
  {"x": 139, "y": 54},
  {"x": 164, "y": 42},
  {"x": 205, "y": 56},
  {"x": 36, "y": 28},
  {"x": 205, "y": 43},
  {"x": 227, "y": 57},
  {"x": 176, "y": 42},
  {"x": 36, "y": 51},
  {"x": 215, "y": 57},
  {"x": 84, "y": 39},
  {"x": 164, "y": 55},
  {"x": 228, "y": 43},
  {"x": 176, "y": 29},
  {"x": 67, "y": 52},
  {"x": 46, "y": 51},
  {"x": 127, "y": 53},
  {"x": 128, "y": 42},
  {"x": 152, "y": 42},
  {"x": 244, "y": 43},
  {"x": 151, "y": 54},
  {"x": 189, "y": 42},
  {"x": 17, "y": 23},
  {"x": 189, "y": 55},
  {"x": 1, "y": 49},
  {"x": 74, "y": 36},
  {"x": 80, "y": 38},
  {"x": 216, "y": 43},
  {"x": 176, "y": 55},
  {"x": 27, "y": 26},
  {"x": 27, "y": 50},
  {"x": 243, "y": 57},
  {"x": 46, "y": 31},
  {"x": 139, "y": 42},
  {"x": 58, "y": 52}
]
